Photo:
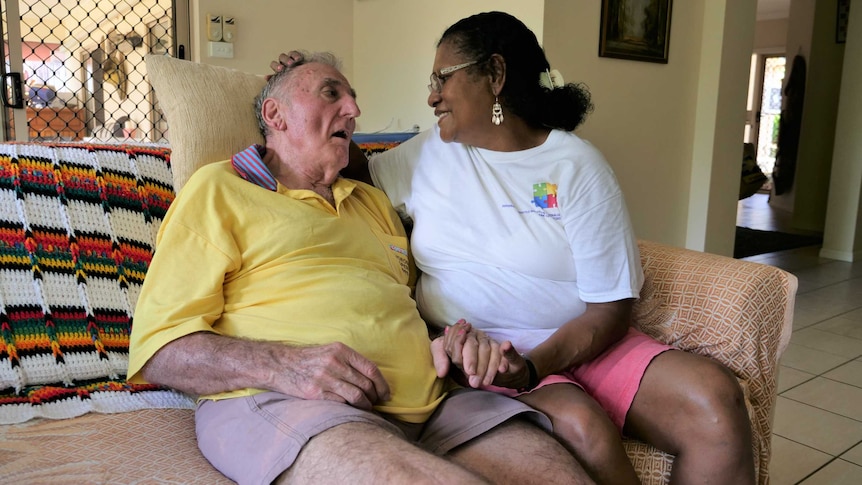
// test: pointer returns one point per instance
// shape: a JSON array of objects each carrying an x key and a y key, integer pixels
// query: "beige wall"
[
  {"x": 671, "y": 131},
  {"x": 265, "y": 29},
  {"x": 392, "y": 40},
  {"x": 822, "y": 90},
  {"x": 728, "y": 37},
  {"x": 843, "y": 234},
  {"x": 770, "y": 34},
  {"x": 394, "y": 45}
]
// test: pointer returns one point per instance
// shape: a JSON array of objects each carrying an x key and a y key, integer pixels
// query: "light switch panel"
[
  {"x": 229, "y": 29},
  {"x": 214, "y": 28}
]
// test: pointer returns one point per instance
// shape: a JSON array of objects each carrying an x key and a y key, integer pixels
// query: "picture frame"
[
  {"x": 841, "y": 18},
  {"x": 637, "y": 30}
]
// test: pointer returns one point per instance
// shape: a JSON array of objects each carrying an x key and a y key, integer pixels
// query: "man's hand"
[
  {"x": 333, "y": 372},
  {"x": 207, "y": 363},
  {"x": 476, "y": 354}
]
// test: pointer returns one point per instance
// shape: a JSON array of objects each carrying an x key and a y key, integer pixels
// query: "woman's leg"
[
  {"x": 693, "y": 407},
  {"x": 585, "y": 430}
]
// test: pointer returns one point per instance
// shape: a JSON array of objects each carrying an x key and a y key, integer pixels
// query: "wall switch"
[
  {"x": 229, "y": 29},
  {"x": 221, "y": 49},
  {"x": 214, "y": 28}
]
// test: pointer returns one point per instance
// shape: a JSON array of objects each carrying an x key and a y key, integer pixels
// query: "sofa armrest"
[
  {"x": 737, "y": 312},
  {"x": 715, "y": 305}
]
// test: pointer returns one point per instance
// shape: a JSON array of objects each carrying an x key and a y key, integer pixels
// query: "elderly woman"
[{"x": 520, "y": 227}]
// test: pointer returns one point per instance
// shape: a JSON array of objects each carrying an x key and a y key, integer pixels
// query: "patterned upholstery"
[
  {"x": 150, "y": 446},
  {"x": 737, "y": 312}
]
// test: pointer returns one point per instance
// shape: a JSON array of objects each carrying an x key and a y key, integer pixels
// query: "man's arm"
[{"x": 207, "y": 363}]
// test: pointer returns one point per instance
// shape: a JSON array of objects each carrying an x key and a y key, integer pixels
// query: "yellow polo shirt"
[{"x": 237, "y": 259}]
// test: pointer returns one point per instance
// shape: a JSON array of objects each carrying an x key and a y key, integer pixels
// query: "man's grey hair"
[{"x": 277, "y": 82}]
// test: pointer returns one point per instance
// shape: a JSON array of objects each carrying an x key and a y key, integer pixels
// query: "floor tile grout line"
[
  {"x": 849, "y": 359},
  {"x": 797, "y": 385},
  {"x": 834, "y": 458},
  {"x": 827, "y": 370},
  {"x": 814, "y": 472},
  {"x": 824, "y": 377},
  {"x": 821, "y": 409},
  {"x": 845, "y": 313},
  {"x": 828, "y": 285},
  {"x": 830, "y": 333},
  {"x": 841, "y": 382}
]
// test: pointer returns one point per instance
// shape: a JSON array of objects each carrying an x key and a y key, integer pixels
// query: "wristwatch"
[{"x": 534, "y": 376}]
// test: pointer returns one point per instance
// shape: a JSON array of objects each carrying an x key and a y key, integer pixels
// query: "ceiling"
[{"x": 773, "y": 9}]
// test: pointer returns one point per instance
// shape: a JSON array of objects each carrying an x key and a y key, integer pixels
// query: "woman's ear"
[{"x": 498, "y": 73}]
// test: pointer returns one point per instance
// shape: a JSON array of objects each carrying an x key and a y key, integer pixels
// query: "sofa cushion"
[
  {"x": 77, "y": 231},
  {"x": 149, "y": 446},
  {"x": 209, "y": 110}
]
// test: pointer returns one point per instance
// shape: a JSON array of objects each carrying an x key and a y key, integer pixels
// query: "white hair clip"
[{"x": 551, "y": 79}]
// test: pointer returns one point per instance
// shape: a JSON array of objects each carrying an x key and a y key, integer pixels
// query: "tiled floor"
[{"x": 818, "y": 422}]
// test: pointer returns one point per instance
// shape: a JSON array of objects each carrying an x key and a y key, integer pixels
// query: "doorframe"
[
  {"x": 16, "y": 64},
  {"x": 756, "y": 88}
]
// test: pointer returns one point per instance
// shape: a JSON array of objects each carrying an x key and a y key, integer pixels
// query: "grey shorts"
[{"x": 254, "y": 439}]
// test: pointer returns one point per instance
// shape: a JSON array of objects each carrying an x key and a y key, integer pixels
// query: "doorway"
[
  {"x": 764, "y": 110},
  {"x": 760, "y": 226},
  {"x": 75, "y": 70}
]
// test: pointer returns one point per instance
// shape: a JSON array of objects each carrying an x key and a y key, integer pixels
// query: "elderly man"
[{"x": 280, "y": 294}]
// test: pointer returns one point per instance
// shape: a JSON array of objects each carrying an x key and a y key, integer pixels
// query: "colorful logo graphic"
[{"x": 545, "y": 195}]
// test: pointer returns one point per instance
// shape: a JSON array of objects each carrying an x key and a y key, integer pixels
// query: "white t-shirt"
[{"x": 513, "y": 242}]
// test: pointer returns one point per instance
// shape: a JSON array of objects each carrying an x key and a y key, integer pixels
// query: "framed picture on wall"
[
  {"x": 638, "y": 30},
  {"x": 841, "y": 21}
]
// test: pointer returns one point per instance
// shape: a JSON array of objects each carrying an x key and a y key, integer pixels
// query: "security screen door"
[{"x": 74, "y": 69}]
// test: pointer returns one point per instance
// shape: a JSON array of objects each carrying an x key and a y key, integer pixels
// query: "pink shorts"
[{"x": 612, "y": 378}]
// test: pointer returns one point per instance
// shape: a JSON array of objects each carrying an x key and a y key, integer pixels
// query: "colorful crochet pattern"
[
  {"x": 374, "y": 143},
  {"x": 77, "y": 231}
]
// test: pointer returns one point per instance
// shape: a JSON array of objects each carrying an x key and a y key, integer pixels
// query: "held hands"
[{"x": 483, "y": 360}]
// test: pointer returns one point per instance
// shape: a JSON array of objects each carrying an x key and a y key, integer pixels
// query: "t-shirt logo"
[{"x": 545, "y": 195}]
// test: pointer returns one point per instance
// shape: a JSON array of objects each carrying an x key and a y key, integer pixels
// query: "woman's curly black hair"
[{"x": 480, "y": 36}]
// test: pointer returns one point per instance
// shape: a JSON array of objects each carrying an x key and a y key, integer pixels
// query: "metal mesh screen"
[{"x": 83, "y": 72}]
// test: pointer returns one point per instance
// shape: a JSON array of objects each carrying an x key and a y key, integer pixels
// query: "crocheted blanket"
[
  {"x": 77, "y": 231},
  {"x": 374, "y": 143}
]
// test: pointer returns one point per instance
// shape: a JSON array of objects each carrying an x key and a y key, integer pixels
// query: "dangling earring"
[{"x": 496, "y": 112}]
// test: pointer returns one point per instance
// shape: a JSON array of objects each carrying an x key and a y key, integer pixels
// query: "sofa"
[
  {"x": 77, "y": 231},
  {"x": 78, "y": 225}
]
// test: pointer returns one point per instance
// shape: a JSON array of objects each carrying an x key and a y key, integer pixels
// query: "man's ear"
[
  {"x": 498, "y": 73},
  {"x": 270, "y": 111}
]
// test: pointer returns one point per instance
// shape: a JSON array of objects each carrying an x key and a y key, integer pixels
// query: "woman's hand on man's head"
[{"x": 285, "y": 60}]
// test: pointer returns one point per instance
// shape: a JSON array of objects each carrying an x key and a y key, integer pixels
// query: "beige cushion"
[
  {"x": 147, "y": 446},
  {"x": 209, "y": 110}
]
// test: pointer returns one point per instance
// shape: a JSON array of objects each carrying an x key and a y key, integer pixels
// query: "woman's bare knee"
[{"x": 718, "y": 403}]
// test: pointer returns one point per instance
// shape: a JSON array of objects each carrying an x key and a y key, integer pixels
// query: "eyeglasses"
[{"x": 437, "y": 81}]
